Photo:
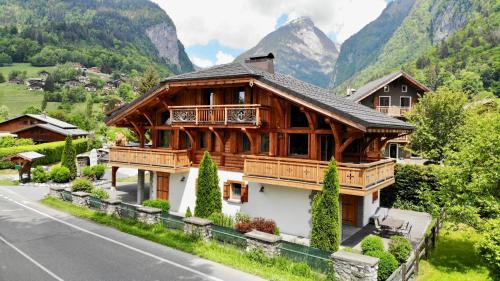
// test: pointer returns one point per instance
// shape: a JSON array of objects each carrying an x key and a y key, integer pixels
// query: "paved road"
[{"x": 39, "y": 243}]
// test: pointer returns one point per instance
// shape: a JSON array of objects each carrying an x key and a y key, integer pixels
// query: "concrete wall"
[
  {"x": 288, "y": 207},
  {"x": 369, "y": 207}
]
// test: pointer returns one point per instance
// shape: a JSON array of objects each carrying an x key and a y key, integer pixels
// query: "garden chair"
[
  {"x": 378, "y": 229},
  {"x": 406, "y": 232}
]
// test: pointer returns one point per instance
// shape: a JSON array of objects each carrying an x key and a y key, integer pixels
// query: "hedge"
[{"x": 51, "y": 150}]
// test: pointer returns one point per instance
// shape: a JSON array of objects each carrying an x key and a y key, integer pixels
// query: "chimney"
[
  {"x": 350, "y": 91},
  {"x": 265, "y": 63}
]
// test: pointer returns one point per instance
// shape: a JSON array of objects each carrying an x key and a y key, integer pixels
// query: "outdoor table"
[{"x": 392, "y": 223}]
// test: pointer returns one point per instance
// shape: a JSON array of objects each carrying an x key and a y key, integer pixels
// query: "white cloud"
[
  {"x": 202, "y": 62},
  {"x": 223, "y": 58},
  {"x": 241, "y": 24}
]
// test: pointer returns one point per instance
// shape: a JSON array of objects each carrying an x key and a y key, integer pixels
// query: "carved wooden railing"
[
  {"x": 246, "y": 114},
  {"x": 361, "y": 176},
  {"x": 393, "y": 110},
  {"x": 161, "y": 158}
]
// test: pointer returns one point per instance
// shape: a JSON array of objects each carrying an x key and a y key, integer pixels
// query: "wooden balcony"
[
  {"x": 396, "y": 111},
  {"x": 251, "y": 115},
  {"x": 160, "y": 160},
  {"x": 355, "y": 179}
]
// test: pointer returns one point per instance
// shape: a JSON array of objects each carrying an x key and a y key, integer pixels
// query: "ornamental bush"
[
  {"x": 60, "y": 174},
  {"x": 99, "y": 193},
  {"x": 243, "y": 223},
  {"x": 325, "y": 233},
  {"x": 39, "y": 175},
  {"x": 51, "y": 150},
  {"x": 188, "y": 213},
  {"x": 208, "y": 194},
  {"x": 264, "y": 225},
  {"x": 372, "y": 243},
  {"x": 82, "y": 185},
  {"x": 68, "y": 156},
  {"x": 99, "y": 170},
  {"x": 400, "y": 248},
  {"x": 488, "y": 247},
  {"x": 222, "y": 220},
  {"x": 88, "y": 172},
  {"x": 164, "y": 205},
  {"x": 386, "y": 265}
]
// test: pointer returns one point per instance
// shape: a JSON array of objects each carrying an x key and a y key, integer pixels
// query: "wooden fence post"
[
  {"x": 417, "y": 260},
  {"x": 403, "y": 272}
]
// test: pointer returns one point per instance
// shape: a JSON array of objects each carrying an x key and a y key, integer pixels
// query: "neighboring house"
[
  {"x": 95, "y": 69},
  {"x": 44, "y": 74},
  {"x": 41, "y": 128},
  {"x": 271, "y": 136},
  {"x": 35, "y": 84},
  {"x": 394, "y": 94}
]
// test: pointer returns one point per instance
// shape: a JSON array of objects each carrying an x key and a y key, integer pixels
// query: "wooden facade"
[{"x": 251, "y": 127}]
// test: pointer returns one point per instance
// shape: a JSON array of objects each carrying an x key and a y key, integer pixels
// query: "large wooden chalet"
[{"x": 271, "y": 136}]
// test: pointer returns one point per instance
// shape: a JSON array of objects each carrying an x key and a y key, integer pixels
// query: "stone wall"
[
  {"x": 354, "y": 267},
  {"x": 265, "y": 242}
]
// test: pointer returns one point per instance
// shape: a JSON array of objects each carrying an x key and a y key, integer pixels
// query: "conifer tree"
[
  {"x": 150, "y": 79},
  {"x": 68, "y": 157},
  {"x": 208, "y": 194},
  {"x": 325, "y": 232}
]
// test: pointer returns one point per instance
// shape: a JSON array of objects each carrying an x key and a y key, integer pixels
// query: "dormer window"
[
  {"x": 404, "y": 88},
  {"x": 386, "y": 88}
]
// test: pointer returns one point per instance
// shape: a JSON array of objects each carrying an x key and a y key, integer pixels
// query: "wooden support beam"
[
  {"x": 148, "y": 118},
  {"x": 310, "y": 118},
  {"x": 253, "y": 142}
]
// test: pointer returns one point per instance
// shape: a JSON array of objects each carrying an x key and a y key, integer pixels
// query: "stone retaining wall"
[{"x": 354, "y": 267}]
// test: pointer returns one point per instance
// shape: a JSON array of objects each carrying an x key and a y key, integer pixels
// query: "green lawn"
[
  {"x": 454, "y": 258},
  {"x": 32, "y": 71},
  {"x": 271, "y": 269}
]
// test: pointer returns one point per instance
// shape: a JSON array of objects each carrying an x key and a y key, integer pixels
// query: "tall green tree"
[
  {"x": 44, "y": 102},
  {"x": 208, "y": 194},
  {"x": 150, "y": 79},
  {"x": 49, "y": 85},
  {"x": 325, "y": 232},
  {"x": 68, "y": 157},
  {"x": 437, "y": 117}
]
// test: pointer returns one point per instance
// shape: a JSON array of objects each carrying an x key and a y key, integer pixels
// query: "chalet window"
[
  {"x": 405, "y": 101},
  {"x": 241, "y": 96},
  {"x": 298, "y": 118},
  {"x": 165, "y": 138},
  {"x": 404, "y": 88},
  {"x": 384, "y": 101},
  {"x": 386, "y": 88},
  {"x": 164, "y": 117},
  {"x": 298, "y": 144},
  {"x": 201, "y": 140},
  {"x": 245, "y": 143},
  {"x": 374, "y": 196},
  {"x": 264, "y": 143},
  {"x": 236, "y": 191},
  {"x": 208, "y": 97}
]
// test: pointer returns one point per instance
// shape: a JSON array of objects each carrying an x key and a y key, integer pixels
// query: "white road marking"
[
  {"x": 31, "y": 259},
  {"x": 118, "y": 242}
]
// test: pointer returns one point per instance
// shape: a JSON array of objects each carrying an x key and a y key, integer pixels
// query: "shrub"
[
  {"x": 99, "y": 170},
  {"x": 386, "y": 265},
  {"x": 60, "y": 174},
  {"x": 301, "y": 269},
  {"x": 243, "y": 223},
  {"x": 189, "y": 213},
  {"x": 372, "y": 243},
  {"x": 99, "y": 193},
  {"x": 208, "y": 195},
  {"x": 82, "y": 185},
  {"x": 264, "y": 225},
  {"x": 39, "y": 175},
  {"x": 68, "y": 156},
  {"x": 325, "y": 233},
  {"x": 400, "y": 248},
  {"x": 51, "y": 150},
  {"x": 222, "y": 220},
  {"x": 88, "y": 172},
  {"x": 158, "y": 203},
  {"x": 488, "y": 247},
  {"x": 257, "y": 255}
]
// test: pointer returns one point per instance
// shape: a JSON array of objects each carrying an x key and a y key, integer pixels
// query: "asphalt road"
[{"x": 38, "y": 243}]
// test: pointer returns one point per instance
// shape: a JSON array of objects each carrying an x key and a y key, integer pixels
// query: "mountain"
[
  {"x": 301, "y": 50},
  {"x": 425, "y": 24},
  {"x": 116, "y": 35}
]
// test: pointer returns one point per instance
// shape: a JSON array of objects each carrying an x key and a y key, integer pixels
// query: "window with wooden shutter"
[
  {"x": 227, "y": 190},
  {"x": 244, "y": 193}
]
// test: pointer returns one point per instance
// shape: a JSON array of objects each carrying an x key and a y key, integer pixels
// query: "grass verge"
[
  {"x": 454, "y": 257},
  {"x": 7, "y": 182},
  {"x": 272, "y": 269}
]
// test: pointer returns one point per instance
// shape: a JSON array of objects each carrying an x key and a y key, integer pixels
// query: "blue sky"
[{"x": 217, "y": 31}]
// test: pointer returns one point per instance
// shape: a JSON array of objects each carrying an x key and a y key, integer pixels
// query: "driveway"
[{"x": 39, "y": 243}]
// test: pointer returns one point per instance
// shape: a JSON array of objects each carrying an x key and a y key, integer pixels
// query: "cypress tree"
[
  {"x": 68, "y": 157},
  {"x": 208, "y": 194},
  {"x": 325, "y": 232}
]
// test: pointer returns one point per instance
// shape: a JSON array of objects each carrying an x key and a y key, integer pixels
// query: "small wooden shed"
[{"x": 23, "y": 162}]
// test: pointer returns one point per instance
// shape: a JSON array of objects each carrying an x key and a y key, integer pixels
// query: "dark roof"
[
  {"x": 302, "y": 90},
  {"x": 61, "y": 131},
  {"x": 375, "y": 85},
  {"x": 53, "y": 121}
]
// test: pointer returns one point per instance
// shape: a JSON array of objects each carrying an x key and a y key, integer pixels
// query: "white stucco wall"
[
  {"x": 369, "y": 207},
  {"x": 288, "y": 207}
]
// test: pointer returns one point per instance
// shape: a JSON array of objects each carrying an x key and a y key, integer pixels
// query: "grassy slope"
[
  {"x": 454, "y": 258},
  {"x": 282, "y": 269}
]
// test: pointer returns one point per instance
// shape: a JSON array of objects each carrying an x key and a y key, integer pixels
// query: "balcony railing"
[
  {"x": 152, "y": 159},
  {"x": 286, "y": 170},
  {"x": 241, "y": 114},
  {"x": 393, "y": 110}
]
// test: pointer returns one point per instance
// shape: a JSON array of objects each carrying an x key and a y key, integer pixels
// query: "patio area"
[{"x": 419, "y": 221}]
